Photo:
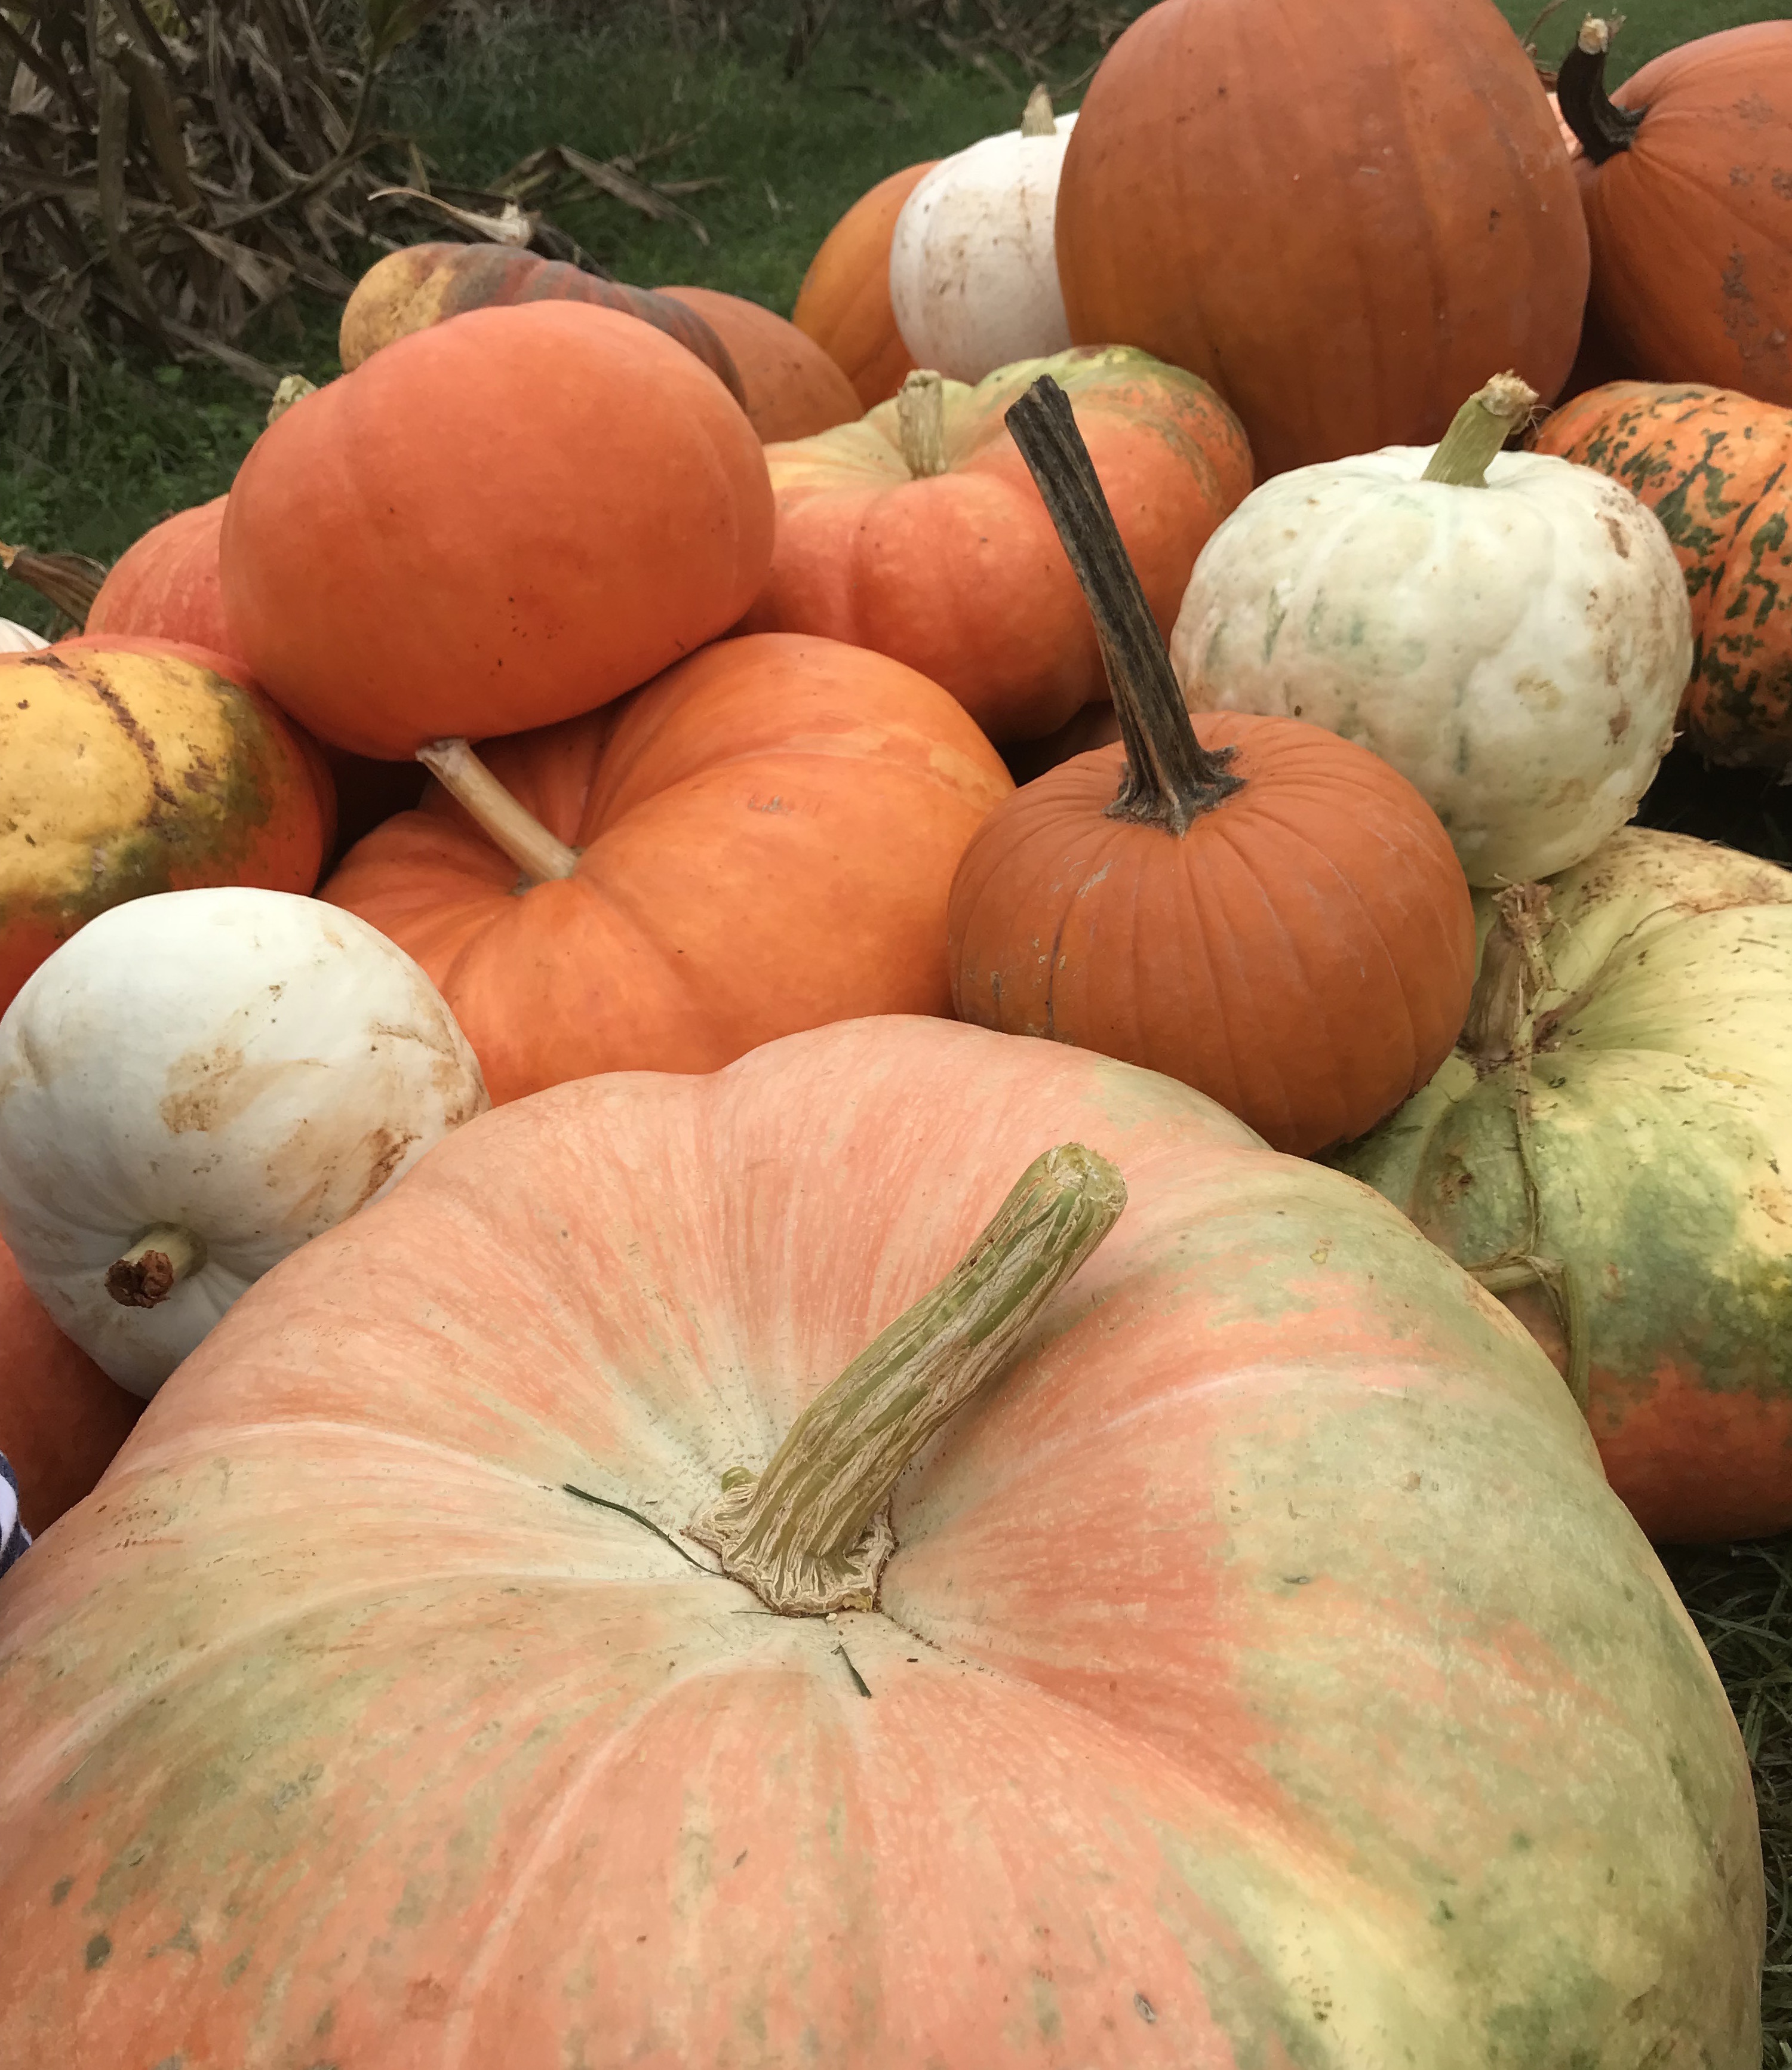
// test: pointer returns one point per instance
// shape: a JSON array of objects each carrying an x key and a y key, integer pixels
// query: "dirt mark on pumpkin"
[
  {"x": 132, "y": 727},
  {"x": 209, "y": 1088}
]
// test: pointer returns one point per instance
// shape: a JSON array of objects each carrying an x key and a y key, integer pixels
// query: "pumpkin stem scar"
[
  {"x": 810, "y": 1534},
  {"x": 622, "y": 1509},
  {"x": 154, "y": 1266},
  {"x": 1603, "y": 128},
  {"x": 1170, "y": 778},
  {"x": 507, "y": 824},
  {"x": 1500, "y": 1036},
  {"x": 1479, "y": 430},
  {"x": 921, "y": 423}
]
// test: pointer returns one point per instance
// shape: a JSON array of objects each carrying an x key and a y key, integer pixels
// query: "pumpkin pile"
[{"x": 909, "y": 1074}]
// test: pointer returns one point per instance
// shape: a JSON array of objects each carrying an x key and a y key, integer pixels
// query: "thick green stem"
[
  {"x": 1603, "y": 128},
  {"x": 154, "y": 1266},
  {"x": 1171, "y": 780},
  {"x": 921, "y": 423},
  {"x": 1036, "y": 118},
  {"x": 541, "y": 857},
  {"x": 809, "y": 1534},
  {"x": 1479, "y": 429}
]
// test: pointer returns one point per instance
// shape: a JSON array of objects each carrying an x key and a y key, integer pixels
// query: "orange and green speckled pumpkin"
[
  {"x": 134, "y": 766},
  {"x": 1264, "y": 1675},
  {"x": 1712, "y": 465}
]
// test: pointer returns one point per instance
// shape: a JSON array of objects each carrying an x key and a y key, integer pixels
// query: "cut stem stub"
[
  {"x": 540, "y": 855},
  {"x": 810, "y": 1535},
  {"x": 1171, "y": 780},
  {"x": 921, "y": 423},
  {"x": 1479, "y": 430},
  {"x": 154, "y": 1266}
]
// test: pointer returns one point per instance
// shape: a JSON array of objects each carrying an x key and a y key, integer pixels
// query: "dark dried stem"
[
  {"x": 1603, "y": 128},
  {"x": 1171, "y": 780}
]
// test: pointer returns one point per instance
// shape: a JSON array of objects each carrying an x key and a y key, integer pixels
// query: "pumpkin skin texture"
[
  {"x": 1344, "y": 219},
  {"x": 768, "y": 834},
  {"x": 1660, "y": 1140},
  {"x": 1238, "y": 1796},
  {"x": 492, "y": 525},
  {"x": 844, "y": 302},
  {"x": 791, "y": 388},
  {"x": 422, "y": 284},
  {"x": 1517, "y": 650},
  {"x": 960, "y": 574},
  {"x": 243, "y": 1066},
  {"x": 1712, "y": 465},
  {"x": 61, "y": 1419},
  {"x": 130, "y": 767},
  {"x": 1303, "y": 954},
  {"x": 1691, "y": 224},
  {"x": 973, "y": 266},
  {"x": 165, "y": 587}
]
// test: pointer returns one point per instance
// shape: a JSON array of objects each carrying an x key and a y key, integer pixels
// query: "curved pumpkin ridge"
[{"x": 433, "y": 1733}]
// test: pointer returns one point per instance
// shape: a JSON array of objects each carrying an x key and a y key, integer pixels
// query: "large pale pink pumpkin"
[{"x": 1264, "y": 1675}]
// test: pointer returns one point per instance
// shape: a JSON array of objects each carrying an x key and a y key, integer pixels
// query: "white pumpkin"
[
  {"x": 973, "y": 259},
  {"x": 194, "y": 1085},
  {"x": 19, "y": 639},
  {"x": 1509, "y": 630}
]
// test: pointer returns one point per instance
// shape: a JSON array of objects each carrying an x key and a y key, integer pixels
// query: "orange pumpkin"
[
  {"x": 61, "y": 1419},
  {"x": 844, "y": 302},
  {"x": 1716, "y": 468},
  {"x": 1263, "y": 1673},
  {"x": 760, "y": 841},
  {"x": 165, "y": 585},
  {"x": 1256, "y": 906},
  {"x": 422, "y": 284},
  {"x": 134, "y": 766},
  {"x": 918, "y": 531},
  {"x": 493, "y": 524},
  {"x": 1342, "y": 217},
  {"x": 1687, "y": 184},
  {"x": 790, "y": 387}
]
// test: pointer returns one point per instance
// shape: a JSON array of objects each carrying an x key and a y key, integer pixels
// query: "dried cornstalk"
[{"x": 169, "y": 169}]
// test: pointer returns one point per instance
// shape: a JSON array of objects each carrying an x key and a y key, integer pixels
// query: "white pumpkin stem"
[
  {"x": 1603, "y": 128},
  {"x": 1479, "y": 430},
  {"x": 293, "y": 388},
  {"x": 921, "y": 423},
  {"x": 1036, "y": 117},
  {"x": 1170, "y": 778},
  {"x": 541, "y": 857},
  {"x": 810, "y": 1534},
  {"x": 154, "y": 1266}
]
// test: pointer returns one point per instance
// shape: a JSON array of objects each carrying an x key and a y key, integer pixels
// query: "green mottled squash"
[{"x": 1610, "y": 1150}]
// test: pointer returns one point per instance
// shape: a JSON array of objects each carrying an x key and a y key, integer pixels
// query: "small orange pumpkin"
[
  {"x": 493, "y": 524},
  {"x": 791, "y": 388},
  {"x": 918, "y": 531},
  {"x": 1259, "y": 908},
  {"x": 759, "y": 842},
  {"x": 844, "y": 302},
  {"x": 165, "y": 585},
  {"x": 1687, "y": 184},
  {"x": 426, "y": 283},
  {"x": 61, "y": 1419}
]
